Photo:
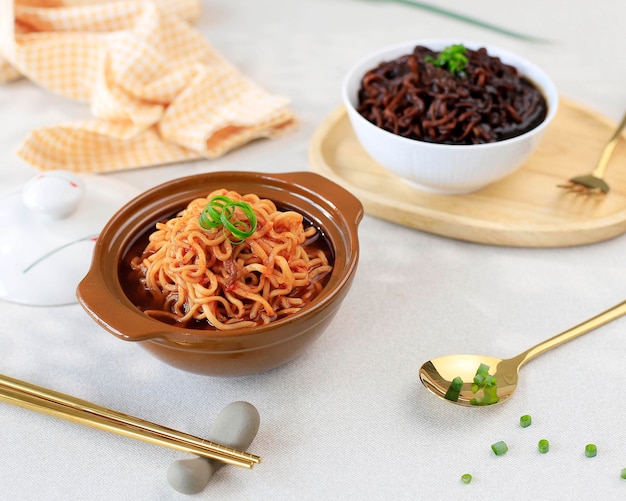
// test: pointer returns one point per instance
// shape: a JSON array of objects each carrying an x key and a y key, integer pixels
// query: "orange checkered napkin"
[{"x": 158, "y": 90}]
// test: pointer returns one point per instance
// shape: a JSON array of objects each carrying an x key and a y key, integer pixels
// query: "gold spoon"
[{"x": 438, "y": 374}]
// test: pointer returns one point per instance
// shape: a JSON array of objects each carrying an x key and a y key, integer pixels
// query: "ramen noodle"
[
  {"x": 411, "y": 97},
  {"x": 208, "y": 279}
]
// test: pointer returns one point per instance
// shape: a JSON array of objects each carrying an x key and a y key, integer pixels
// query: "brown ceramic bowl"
[{"x": 224, "y": 353}]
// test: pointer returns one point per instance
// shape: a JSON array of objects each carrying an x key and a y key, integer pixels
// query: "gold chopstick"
[{"x": 74, "y": 409}]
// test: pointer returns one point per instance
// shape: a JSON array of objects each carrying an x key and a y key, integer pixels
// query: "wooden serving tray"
[{"x": 525, "y": 209}]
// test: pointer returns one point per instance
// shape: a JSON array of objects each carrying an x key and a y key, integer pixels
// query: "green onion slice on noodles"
[{"x": 220, "y": 211}]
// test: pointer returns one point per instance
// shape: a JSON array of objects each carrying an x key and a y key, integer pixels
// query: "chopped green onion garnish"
[
  {"x": 483, "y": 369},
  {"x": 543, "y": 446},
  {"x": 211, "y": 216},
  {"x": 479, "y": 379},
  {"x": 624, "y": 473},
  {"x": 220, "y": 211},
  {"x": 454, "y": 390},
  {"x": 457, "y": 383},
  {"x": 466, "y": 478},
  {"x": 499, "y": 448},
  {"x": 490, "y": 395},
  {"x": 453, "y": 57},
  {"x": 485, "y": 381},
  {"x": 525, "y": 421},
  {"x": 591, "y": 450}
]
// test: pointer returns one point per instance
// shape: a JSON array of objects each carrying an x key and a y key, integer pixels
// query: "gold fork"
[{"x": 593, "y": 183}]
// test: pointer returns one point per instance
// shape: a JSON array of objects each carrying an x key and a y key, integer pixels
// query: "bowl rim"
[
  {"x": 369, "y": 60},
  {"x": 111, "y": 242}
]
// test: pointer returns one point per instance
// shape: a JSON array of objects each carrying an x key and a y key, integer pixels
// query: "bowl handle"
[
  {"x": 102, "y": 307},
  {"x": 337, "y": 196}
]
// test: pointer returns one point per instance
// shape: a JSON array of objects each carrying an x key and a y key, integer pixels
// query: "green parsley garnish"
[
  {"x": 452, "y": 58},
  {"x": 220, "y": 211}
]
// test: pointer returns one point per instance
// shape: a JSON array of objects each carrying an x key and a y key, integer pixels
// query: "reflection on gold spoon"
[{"x": 438, "y": 374}]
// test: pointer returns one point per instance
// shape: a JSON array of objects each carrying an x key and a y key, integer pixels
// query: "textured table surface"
[{"x": 349, "y": 419}]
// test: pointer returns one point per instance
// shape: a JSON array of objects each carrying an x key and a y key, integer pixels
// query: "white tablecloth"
[{"x": 350, "y": 419}]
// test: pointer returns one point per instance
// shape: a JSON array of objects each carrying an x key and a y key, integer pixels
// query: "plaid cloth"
[{"x": 158, "y": 90}]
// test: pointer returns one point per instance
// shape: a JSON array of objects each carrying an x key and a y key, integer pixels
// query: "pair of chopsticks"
[{"x": 80, "y": 411}]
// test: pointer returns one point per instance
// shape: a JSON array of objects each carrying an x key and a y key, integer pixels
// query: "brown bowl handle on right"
[{"x": 344, "y": 201}]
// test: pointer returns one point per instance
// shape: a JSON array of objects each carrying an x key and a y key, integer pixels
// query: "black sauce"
[{"x": 490, "y": 101}]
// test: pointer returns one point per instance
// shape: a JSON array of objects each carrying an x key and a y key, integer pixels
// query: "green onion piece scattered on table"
[
  {"x": 525, "y": 421},
  {"x": 591, "y": 450},
  {"x": 499, "y": 448},
  {"x": 466, "y": 478},
  {"x": 543, "y": 446},
  {"x": 220, "y": 211},
  {"x": 624, "y": 473}
]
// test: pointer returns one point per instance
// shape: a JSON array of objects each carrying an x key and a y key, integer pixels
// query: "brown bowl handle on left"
[{"x": 103, "y": 307}]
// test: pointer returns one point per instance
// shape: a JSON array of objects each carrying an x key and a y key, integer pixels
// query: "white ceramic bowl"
[{"x": 441, "y": 168}]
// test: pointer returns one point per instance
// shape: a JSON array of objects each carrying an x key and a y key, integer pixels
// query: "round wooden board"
[{"x": 526, "y": 209}]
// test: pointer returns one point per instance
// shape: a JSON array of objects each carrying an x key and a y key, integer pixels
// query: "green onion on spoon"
[{"x": 452, "y": 377}]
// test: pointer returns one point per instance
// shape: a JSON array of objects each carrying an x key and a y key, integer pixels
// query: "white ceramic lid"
[{"x": 47, "y": 234}]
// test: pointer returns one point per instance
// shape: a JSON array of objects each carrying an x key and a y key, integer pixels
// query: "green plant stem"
[{"x": 467, "y": 19}]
